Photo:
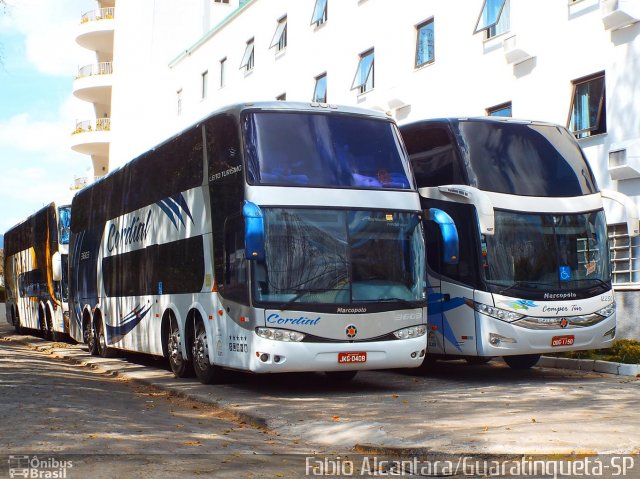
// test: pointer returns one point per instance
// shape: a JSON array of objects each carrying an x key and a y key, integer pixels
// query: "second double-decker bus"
[
  {"x": 35, "y": 266},
  {"x": 269, "y": 237},
  {"x": 517, "y": 256}
]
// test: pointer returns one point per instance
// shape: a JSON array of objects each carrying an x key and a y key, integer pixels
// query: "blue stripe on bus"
[
  {"x": 168, "y": 212},
  {"x": 179, "y": 199},
  {"x": 116, "y": 333}
]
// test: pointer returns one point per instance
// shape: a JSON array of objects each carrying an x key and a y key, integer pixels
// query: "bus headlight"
[
  {"x": 280, "y": 334},
  {"x": 607, "y": 310},
  {"x": 501, "y": 314},
  {"x": 412, "y": 332}
]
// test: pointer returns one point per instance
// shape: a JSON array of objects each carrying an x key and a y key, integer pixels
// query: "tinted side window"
[
  {"x": 170, "y": 268},
  {"x": 433, "y": 156},
  {"x": 226, "y": 181},
  {"x": 174, "y": 166}
]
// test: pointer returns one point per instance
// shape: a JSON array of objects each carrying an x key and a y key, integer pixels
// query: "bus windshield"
[
  {"x": 546, "y": 252},
  {"x": 323, "y": 150},
  {"x": 318, "y": 256}
]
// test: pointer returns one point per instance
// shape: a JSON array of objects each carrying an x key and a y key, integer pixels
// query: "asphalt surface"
[{"x": 454, "y": 409}]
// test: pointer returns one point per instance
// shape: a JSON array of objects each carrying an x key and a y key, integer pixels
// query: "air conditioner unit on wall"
[
  {"x": 513, "y": 53},
  {"x": 624, "y": 160},
  {"x": 618, "y": 14}
]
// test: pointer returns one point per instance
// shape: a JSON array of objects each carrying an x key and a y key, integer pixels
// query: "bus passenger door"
[{"x": 451, "y": 322}]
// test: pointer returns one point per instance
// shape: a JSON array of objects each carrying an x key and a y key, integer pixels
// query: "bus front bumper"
[
  {"x": 269, "y": 356},
  {"x": 499, "y": 338}
]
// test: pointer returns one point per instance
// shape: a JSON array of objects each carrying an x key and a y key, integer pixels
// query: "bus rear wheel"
[
  {"x": 523, "y": 361},
  {"x": 104, "y": 351},
  {"x": 180, "y": 366},
  {"x": 89, "y": 338},
  {"x": 206, "y": 372}
]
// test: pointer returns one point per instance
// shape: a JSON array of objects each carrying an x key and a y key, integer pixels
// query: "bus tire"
[
  {"x": 51, "y": 335},
  {"x": 89, "y": 337},
  {"x": 340, "y": 377},
  {"x": 206, "y": 372},
  {"x": 104, "y": 351},
  {"x": 478, "y": 360},
  {"x": 427, "y": 366},
  {"x": 42, "y": 322},
  {"x": 180, "y": 366},
  {"x": 16, "y": 321},
  {"x": 522, "y": 361}
]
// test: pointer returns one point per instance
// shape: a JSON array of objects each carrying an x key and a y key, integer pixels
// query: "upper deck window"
[
  {"x": 524, "y": 159},
  {"x": 323, "y": 150}
]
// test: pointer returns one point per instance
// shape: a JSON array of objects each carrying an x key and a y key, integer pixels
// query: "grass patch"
[{"x": 623, "y": 351}]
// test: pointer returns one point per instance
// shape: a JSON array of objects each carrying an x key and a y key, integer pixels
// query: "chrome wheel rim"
[
  {"x": 201, "y": 352},
  {"x": 174, "y": 347}
]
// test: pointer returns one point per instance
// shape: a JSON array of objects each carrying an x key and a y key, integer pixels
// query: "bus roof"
[{"x": 480, "y": 119}]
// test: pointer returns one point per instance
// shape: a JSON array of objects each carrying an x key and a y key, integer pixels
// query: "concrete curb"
[{"x": 591, "y": 365}]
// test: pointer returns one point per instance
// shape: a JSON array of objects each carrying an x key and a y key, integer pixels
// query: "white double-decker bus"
[
  {"x": 269, "y": 237},
  {"x": 35, "y": 265},
  {"x": 517, "y": 256}
]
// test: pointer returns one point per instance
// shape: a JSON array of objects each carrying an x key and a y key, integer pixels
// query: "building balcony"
[
  {"x": 81, "y": 182},
  {"x": 96, "y": 30},
  {"x": 617, "y": 14},
  {"x": 92, "y": 137},
  {"x": 93, "y": 83}
]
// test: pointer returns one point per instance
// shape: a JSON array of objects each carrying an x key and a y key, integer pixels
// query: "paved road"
[
  {"x": 456, "y": 408},
  {"x": 51, "y": 408}
]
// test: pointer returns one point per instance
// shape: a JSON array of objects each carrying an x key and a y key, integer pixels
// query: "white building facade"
[{"x": 571, "y": 62}]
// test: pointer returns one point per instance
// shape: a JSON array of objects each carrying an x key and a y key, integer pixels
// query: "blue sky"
[{"x": 37, "y": 108}]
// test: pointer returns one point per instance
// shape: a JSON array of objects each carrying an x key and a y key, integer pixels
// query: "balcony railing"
[
  {"x": 81, "y": 182},
  {"x": 104, "y": 68},
  {"x": 99, "y": 14},
  {"x": 86, "y": 126}
]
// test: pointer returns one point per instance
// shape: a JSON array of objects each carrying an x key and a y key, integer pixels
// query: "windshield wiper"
[
  {"x": 523, "y": 284},
  {"x": 299, "y": 294},
  {"x": 415, "y": 303},
  {"x": 600, "y": 282}
]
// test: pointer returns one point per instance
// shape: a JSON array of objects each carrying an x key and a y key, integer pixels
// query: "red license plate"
[
  {"x": 348, "y": 358},
  {"x": 562, "y": 340}
]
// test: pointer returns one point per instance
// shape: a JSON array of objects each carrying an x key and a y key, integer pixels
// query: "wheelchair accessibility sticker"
[{"x": 565, "y": 273}]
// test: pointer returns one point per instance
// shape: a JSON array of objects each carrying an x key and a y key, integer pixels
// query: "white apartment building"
[{"x": 161, "y": 65}]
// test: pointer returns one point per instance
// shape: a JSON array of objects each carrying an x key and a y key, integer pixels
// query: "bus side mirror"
[
  {"x": 449, "y": 234},
  {"x": 56, "y": 266},
  {"x": 253, "y": 231}
]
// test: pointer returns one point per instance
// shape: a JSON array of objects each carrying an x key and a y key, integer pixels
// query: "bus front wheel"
[
  {"x": 206, "y": 372},
  {"x": 180, "y": 366},
  {"x": 523, "y": 361},
  {"x": 16, "y": 324}
]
